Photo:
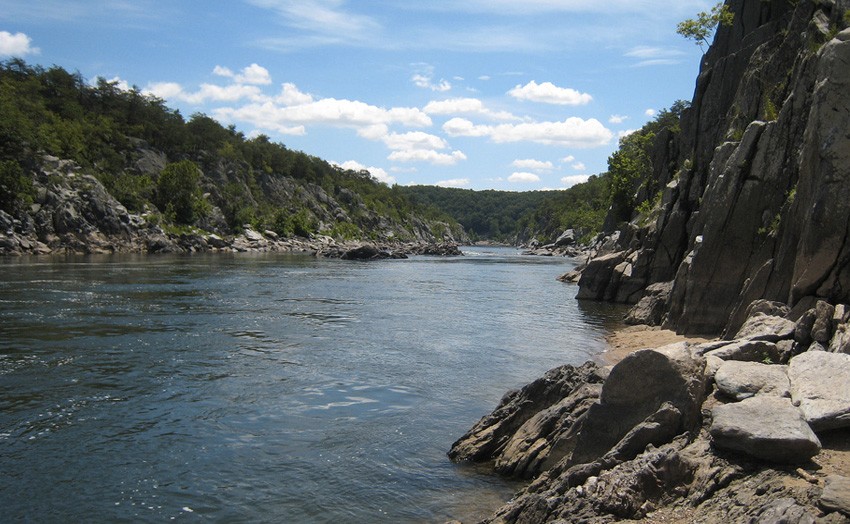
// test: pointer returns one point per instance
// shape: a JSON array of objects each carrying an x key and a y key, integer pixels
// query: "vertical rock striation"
[{"x": 758, "y": 203}]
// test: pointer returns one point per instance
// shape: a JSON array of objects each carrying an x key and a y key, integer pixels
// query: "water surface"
[{"x": 246, "y": 388}]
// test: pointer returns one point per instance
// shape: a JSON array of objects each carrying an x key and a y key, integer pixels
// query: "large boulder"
[
  {"x": 740, "y": 380},
  {"x": 761, "y": 326},
  {"x": 820, "y": 385},
  {"x": 764, "y": 427},
  {"x": 748, "y": 350},
  {"x": 836, "y": 494},
  {"x": 494, "y": 432},
  {"x": 635, "y": 390}
]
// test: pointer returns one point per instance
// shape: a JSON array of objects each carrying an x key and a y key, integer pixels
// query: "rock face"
[{"x": 759, "y": 208}]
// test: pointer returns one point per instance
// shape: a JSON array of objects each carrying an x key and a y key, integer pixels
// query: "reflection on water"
[{"x": 266, "y": 387}]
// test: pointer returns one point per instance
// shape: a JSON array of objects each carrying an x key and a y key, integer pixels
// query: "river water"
[{"x": 268, "y": 388}]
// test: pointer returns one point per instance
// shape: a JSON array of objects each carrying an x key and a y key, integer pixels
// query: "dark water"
[{"x": 267, "y": 388}]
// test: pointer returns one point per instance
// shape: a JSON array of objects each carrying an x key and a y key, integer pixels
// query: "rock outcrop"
[
  {"x": 649, "y": 438},
  {"x": 758, "y": 206}
]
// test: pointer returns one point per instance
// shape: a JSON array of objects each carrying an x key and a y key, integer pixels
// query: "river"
[{"x": 268, "y": 388}]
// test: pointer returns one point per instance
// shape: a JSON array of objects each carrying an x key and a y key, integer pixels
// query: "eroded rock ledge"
[{"x": 722, "y": 431}]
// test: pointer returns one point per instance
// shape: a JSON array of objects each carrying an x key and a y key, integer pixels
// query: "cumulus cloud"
[
  {"x": 17, "y": 44},
  {"x": 426, "y": 155},
  {"x": 454, "y": 106},
  {"x": 617, "y": 119},
  {"x": 549, "y": 93},
  {"x": 536, "y": 165},
  {"x": 569, "y": 181},
  {"x": 454, "y": 182},
  {"x": 567, "y": 159},
  {"x": 523, "y": 177},
  {"x": 572, "y": 132},
  {"x": 253, "y": 74},
  {"x": 650, "y": 112},
  {"x": 378, "y": 173},
  {"x": 426, "y": 82},
  {"x": 206, "y": 92},
  {"x": 579, "y": 166}
]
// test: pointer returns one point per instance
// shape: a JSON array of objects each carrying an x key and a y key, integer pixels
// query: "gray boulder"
[
  {"x": 820, "y": 385},
  {"x": 764, "y": 427},
  {"x": 761, "y": 326},
  {"x": 836, "y": 494},
  {"x": 740, "y": 380},
  {"x": 749, "y": 350},
  {"x": 489, "y": 437},
  {"x": 637, "y": 388},
  {"x": 567, "y": 238},
  {"x": 822, "y": 327}
]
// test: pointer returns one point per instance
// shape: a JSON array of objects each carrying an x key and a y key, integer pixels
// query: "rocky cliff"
[
  {"x": 73, "y": 213},
  {"x": 756, "y": 194}
]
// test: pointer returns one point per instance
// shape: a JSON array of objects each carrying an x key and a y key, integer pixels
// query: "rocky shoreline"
[{"x": 751, "y": 429}]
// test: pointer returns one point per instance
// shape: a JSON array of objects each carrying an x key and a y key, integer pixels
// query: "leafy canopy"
[{"x": 702, "y": 28}]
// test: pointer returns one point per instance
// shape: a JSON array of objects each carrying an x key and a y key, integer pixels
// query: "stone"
[
  {"x": 764, "y": 427},
  {"x": 595, "y": 279},
  {"x": 490, "y": 436},
  {"x": 567, "y": 238},
  {"x": 740, "y": 380},
  {"x": 761, "y": 326},
  {"x": 636, "y": 388},
  {"x": 750, "y": 350},
  {"x": 651, "y": 308},
  {"x": 822, "y": 326},
  {"x": 803, "y": 327},
  {"x": 820, "y": 385},
  {"x": 548, "y": 436},
  {"x": 840, "y": 342},
  {"x": 836, "y": 494}
]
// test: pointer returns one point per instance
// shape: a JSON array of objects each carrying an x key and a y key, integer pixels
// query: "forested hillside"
[{"x": 181, "y": 174}]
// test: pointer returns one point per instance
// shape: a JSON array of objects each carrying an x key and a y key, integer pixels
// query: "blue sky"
[{"x": 481, "y": 94}]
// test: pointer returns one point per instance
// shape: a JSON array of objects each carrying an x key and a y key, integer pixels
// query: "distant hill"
[{"x": 174, "y": 173}]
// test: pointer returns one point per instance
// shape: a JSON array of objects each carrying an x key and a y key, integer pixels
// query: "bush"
[
  {"x": 16, "y": 189},
  {"x": 178, "y": 192}
]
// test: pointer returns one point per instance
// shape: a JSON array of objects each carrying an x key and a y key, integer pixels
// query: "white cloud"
[
  {"x": 523, "y": 178},
  {"x": 430, "y": 156},
  {"x": 454, "y": 106},
  {"x": 253, "y": 74},
  {"x": 625, "y": 133},
  {"x": 549, "y": 93},
  {"x": 537, "y": 165},
  {"x": 650, "y": 112},
  {"x": 649, "y": 56},
  {"x": 321, "y": 22},
  {"x": 567, "y": 159},
  {"x": 569, "y": 181},
  {"x": 413, "y": 140},
  {"x": 290, "y": 95},
  {"x": 484, "y": 78},
  {"x": 617, "y": 119},
  {"x": 120, "y": 83},
  {"x": 572, "y": 132},
  {"x": 206, "y": 92},
  {"x": 454, "y": 182},
  {"x": 579, "y": 166},
  {"x": 378, "y": 173},
  {"x": 426, "y": 82},
  {"x": 17, "y": 44},
  {"x": 327, "y": 111}
]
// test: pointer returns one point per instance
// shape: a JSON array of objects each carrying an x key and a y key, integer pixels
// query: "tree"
[
  {"x": 178, "y": 191},
  {"x": 700, "y": 29}
]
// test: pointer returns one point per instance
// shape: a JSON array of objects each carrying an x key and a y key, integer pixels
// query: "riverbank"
[
  {"x": 681, "y": 429},
  {"x": 627, "y": 340}
]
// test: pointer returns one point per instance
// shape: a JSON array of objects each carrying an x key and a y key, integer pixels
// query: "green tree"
[
  {"x": 15, "y": 188},
  {"x": 703, "y": 26},
  {"x": 178, "y": 191}
]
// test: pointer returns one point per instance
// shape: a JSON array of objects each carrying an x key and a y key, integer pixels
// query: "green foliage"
[
  {"x": 703, "y": 26},
  {"x": 104, "y": 129},
  {"x": 847, "y": 17},
  {"x": 346, "y": 231},
  {"x": 178, "y": 191},
  {"x": 16, "y": 189},
  {"x": 300, "y": 223}
]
